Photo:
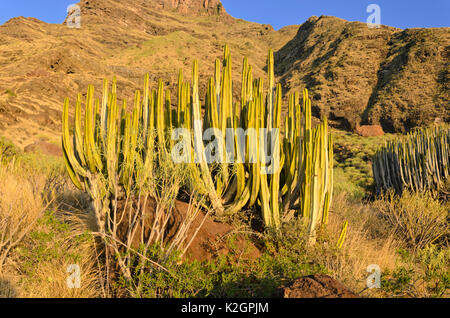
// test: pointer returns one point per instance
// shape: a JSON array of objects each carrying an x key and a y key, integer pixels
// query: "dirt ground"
[
  {"x": 317, "y": 286},
  {"x": 210, "y": 238}
]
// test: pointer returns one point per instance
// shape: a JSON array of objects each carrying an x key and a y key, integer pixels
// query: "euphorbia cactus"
[
  {"x": 116, "y": 152},
  {"x": 418, "y": 162}
]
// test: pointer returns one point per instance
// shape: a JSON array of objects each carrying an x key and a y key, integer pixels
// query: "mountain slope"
[
  {"x": 41, "y": 63},
  {"x": 360, "y": 75},
  {"x": 413, "y": 85},
  {"x": 355, "y": 74}
]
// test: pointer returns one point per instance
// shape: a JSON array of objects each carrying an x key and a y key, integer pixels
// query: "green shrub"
[
  {"x": 437, "y": 275},
  {"x": 8, "y": 150},
  {"x": 284, "y": 259}
]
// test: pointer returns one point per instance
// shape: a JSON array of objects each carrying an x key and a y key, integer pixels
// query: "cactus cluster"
[
  {"x": 113, "y": 153},
  {"x": 420, "y": 161},
  {"x": 117, "y": 148}
]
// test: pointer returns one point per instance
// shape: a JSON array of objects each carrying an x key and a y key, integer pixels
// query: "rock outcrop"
[{"x": 318, "y": 286}]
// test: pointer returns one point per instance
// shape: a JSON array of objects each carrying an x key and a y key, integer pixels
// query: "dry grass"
[
  {"x": 376, "y": 236},
  {"x": 417, "y": 219},
  {"x": 367, "y": 242},
  {"x": 43, "y": 276},
  {"x": 21, "y": 205},
  {"x": 39, "y": 240}
]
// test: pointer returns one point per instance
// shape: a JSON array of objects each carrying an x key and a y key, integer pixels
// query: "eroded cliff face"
[
  {"x": 195, "y": 6},
  {"x": 155, "y": 15},
  {"x": 185, "y": 7}
]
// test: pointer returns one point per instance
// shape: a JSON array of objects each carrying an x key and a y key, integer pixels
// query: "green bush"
[
  {"x": 8, "y": 150},
  {"x": 284, "y": 259}
]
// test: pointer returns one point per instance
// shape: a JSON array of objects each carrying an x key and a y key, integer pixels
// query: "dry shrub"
[
  {"x": 367, "y": 242},
  {"x": 139, "y": 227},
  {"x": 377, "y": 233},
  {"x": 38, "y": 268},
  {"x": 21, "y": 205},
  {"x": 36, "y": 246},
  {"x": 49, "y": 277},
  {"x": 417, "y": 219}
]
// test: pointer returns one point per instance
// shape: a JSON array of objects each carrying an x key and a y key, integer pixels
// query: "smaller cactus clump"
[
  {"x": 114, "y": 154},
  {"x": 418, "y": 162}
]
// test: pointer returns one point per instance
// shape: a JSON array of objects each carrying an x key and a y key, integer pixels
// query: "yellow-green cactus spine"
[{"x": 343, "y": 235}]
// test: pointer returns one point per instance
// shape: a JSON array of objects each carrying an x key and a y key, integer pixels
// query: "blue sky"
[
  {"x": 399, "y": 13},
  {"x": 50, "y": 11}
]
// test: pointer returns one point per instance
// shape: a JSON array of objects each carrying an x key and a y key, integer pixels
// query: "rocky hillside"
[
  {"x": 360, "y": 75},
  {"x": 355, "y": 74}
]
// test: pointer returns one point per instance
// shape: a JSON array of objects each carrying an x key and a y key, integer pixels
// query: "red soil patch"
[
  {"x": 370, "y": 130},
  {"x": 317, "y": 286},
  {"x": 211, "y": 239},
  {"x": 45, "y": 148},
  {"x": 209, "y": 242}
]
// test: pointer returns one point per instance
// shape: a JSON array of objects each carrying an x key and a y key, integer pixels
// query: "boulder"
[
  {"x": 369, "y": 130},
  {"x": 317, "y": 286}
]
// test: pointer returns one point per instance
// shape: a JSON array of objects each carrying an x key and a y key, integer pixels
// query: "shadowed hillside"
[{"x": 359, "y": 75}]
